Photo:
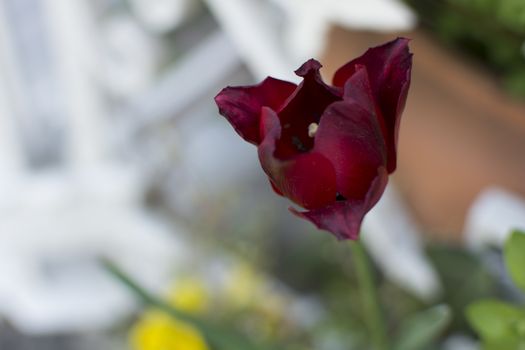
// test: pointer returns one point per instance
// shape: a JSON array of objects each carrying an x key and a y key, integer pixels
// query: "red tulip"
[{"x": 329, "y": 149}]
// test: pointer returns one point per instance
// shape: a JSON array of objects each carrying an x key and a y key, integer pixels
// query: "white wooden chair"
[{"x": 55, "y": 224}]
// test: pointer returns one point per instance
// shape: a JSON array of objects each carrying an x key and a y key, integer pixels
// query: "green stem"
[
  {"x": 218, "y": 336},
  {"x": 369, "y": 298}
]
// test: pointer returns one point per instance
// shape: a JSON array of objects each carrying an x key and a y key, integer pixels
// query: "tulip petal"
[
  {"x": 304, "y": 107},
  {"x": 389, "y": 68},
  {"x": 241, "y": 106},
  {"x": 350, "y": 137},
  {"x": 274, "y": 188},
  {"x": 343, "y": 218},
  {"x": 308, "y": 178},
  {"x": 358, "y": 89}
]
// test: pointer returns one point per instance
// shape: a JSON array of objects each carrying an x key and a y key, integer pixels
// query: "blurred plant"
[
  {"x": 501, "y": 325},
  {"x": 416, "y": 332},
  {"x": 190, "y": 295},
  {"x": 243, "y": 286},
  {"x": 464, "y": 279},
  {"x": 493, "y": 31},
  {"x": 422, "y": 329},
  {"x": 157, "y": 330},
  {"x": 187, "y": 320},
  {"x": 167, "y": 322}
]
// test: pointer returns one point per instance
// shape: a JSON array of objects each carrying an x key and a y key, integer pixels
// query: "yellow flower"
[
  {"x": 244, "y": 285},
  {"x": 158, "y": 331},
  {"x": 189, "y": 295}
]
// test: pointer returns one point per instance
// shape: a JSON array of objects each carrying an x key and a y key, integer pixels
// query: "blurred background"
[{"x": 111, "y": 147}]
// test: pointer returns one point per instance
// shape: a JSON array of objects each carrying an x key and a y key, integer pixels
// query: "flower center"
[{"x": 312, "y": 129}]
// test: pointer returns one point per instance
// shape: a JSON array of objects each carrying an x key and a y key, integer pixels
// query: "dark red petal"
[
  {"x": 358, "y": 89},
  {"x": 389, "y": 68},
  {"x": 308, "y": 179},
  {"x": 274, "y": 188},
  {"x": 350, "y": 137},
  {"x": 344, "y": 218},
  {"x": 242, "y": 105},
  {"x": 304, "y": 107}
]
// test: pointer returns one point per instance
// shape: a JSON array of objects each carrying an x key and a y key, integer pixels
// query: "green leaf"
[
  {"x": 464, "y": 279},
  {"x": 420, "y": 330},
  {"x": 494, "y": 320},
  {"x": 515, "y": 258},
  {"x": 504, "y": 344}
]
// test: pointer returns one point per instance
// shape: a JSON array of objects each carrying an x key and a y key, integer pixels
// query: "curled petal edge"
[
  {"x": 241, "y": 105},
  {"x": 389, "y": 69},
  {"x": 344, "y": 218}
]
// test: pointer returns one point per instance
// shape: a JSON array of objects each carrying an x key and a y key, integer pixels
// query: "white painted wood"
[
  {"x": 163, "y": 15},
  {"x": 73, "y": 33},
  {"x": 492, "y": 217},
  {"x": 254, "y": 33},
  {"x": 193, "y": 75},
  {"x": 394, "y": 241},
  {"x": 11, "y": 156},
  {"x": 55, "y": 224}
]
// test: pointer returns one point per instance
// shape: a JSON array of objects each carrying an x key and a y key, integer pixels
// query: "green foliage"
[
  {"x": 494, "y": 319},
  {"x": 493, "y": 31},
  {"x": 420, "y": 330},
  {"x": 464, "y": 280},
  {"x": 501, "y": 325},
  {"x": 515, "y": 258},
  {"x": 509, "y": 13},
  {"x": 218, "y": 336}
]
